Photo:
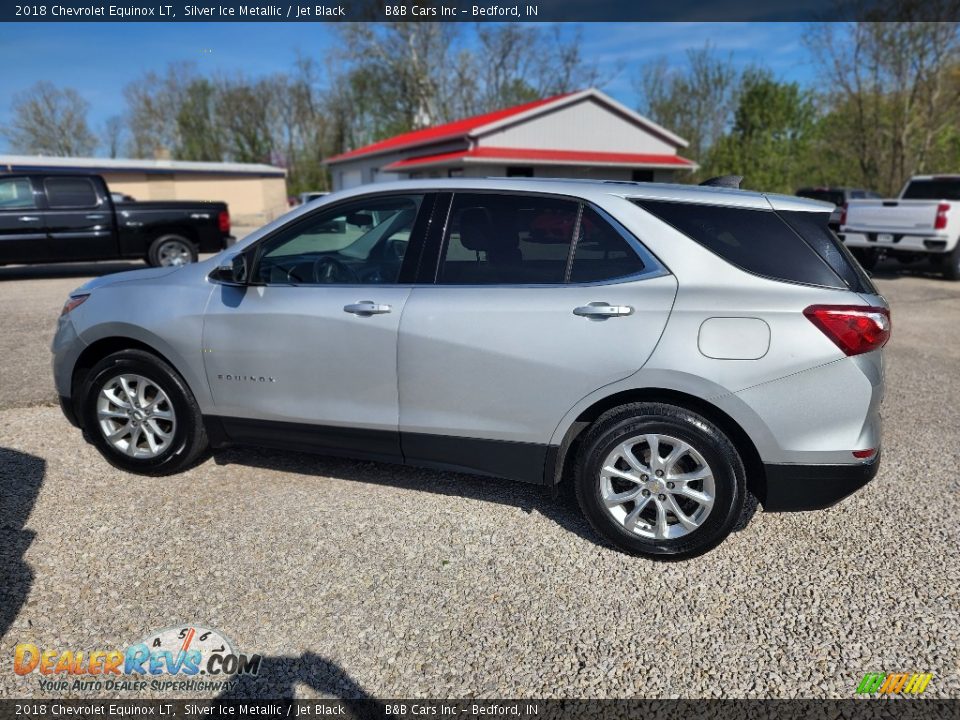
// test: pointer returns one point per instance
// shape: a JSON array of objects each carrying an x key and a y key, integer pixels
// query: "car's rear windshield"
[
  {"x": 933, "y": 189},
  {"x": 790, "y": 246}
]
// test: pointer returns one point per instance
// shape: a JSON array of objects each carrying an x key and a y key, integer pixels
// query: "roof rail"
[{"x": 727, "y": 181}]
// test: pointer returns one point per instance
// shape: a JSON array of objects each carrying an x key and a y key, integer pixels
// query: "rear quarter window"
[
  {"x": 758, "y": 241},
  {"x": 813, "y": 227}
]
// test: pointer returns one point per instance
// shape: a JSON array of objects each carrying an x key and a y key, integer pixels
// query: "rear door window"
[
  {"x": 70, "y": 193},
  {"x": 603, "y": 251},
  {"x": 495, "y": 239},
  {"x": 507, "y": 240},
  {"x": 758, "y": 241}
]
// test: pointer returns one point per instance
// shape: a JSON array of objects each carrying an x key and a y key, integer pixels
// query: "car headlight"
[{"x": 74, "y": 301}]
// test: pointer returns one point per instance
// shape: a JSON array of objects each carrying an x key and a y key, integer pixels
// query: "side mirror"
[{"x": 233, "y": 270}]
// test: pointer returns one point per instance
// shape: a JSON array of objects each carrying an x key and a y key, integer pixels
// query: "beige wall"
[{"x": 253, "y": 201}]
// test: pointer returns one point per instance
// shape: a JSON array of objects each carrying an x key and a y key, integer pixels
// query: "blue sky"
[{"x": 99, "y": 59}]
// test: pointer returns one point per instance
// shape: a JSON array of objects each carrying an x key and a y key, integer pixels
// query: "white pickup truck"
[{"x": 924, "y": 222}]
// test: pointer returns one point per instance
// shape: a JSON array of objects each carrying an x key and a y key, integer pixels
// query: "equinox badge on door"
[{"x": 247, "y": 378}]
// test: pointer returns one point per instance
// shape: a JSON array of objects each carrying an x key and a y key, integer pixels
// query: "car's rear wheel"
[
  {"x": 660, "y": 480},
  {"x": 141, "y": 415},
  {"x": 171, "y": 251}
]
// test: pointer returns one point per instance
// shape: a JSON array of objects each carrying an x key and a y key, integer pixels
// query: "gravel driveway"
[{"x": 357, "y": 578}]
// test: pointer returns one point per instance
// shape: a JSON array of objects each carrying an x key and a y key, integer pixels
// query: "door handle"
[
  {"x": 28, "y": 218},
  {"x": 602, "y": 311},
  {"x": 95, "y": 217},
  {"x": 366, "y": 308}
]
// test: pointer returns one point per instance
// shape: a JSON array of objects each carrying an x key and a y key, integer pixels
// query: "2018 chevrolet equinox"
[{"x": 672, "y": 348}]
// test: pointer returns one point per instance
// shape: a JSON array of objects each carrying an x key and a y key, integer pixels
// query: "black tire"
[
  {"x": 154, "y": 252},
  {"x": 867, "y": 257},
  {"x": 951, "y": 264},
  {"x": 628, "y": 421},
  {"x": 189, "y": 438}
]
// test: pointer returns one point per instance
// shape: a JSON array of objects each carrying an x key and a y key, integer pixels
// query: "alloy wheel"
[
  {"x": 136, "y": 416},
  {"x": 173, "y": 253},
  {"x": 657, "y": 486}
]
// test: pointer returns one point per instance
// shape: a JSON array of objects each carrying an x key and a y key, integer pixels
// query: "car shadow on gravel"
[
  {"x": 561, "y": 506},
  {"x": 21, "y": 476},
  {"x": 278, "y": 677}
]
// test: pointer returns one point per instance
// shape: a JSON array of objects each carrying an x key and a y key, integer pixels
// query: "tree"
[
  {"x": 395, "y": 77},
  {"x": 112, "y": 134},
  {"x": 153, "y": 110},
  {"x": 48, "y": 120},
  {"x": 894, "y": 93},
  {"x": 696, "y": 101},
  {"x": 769, "y": 141},
  {"x": 199, "y": 135}
]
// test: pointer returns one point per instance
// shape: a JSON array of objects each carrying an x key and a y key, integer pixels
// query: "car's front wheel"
[
  {"x": 141, "y": 415},
  {"x": 659, "y": 480}
]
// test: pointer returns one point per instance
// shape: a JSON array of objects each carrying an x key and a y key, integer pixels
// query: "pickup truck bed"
[{"x": 67, "y": 218}]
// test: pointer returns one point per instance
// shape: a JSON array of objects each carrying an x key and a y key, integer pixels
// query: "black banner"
[
  {"x": 473, "y": 10},
  {"x": 367, "y": 709}
]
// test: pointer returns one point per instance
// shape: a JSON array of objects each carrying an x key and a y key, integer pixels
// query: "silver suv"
[{"x": 671, "y": 348}]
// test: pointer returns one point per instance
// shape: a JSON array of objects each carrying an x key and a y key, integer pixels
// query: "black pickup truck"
[{"x": 69, "y": 218}]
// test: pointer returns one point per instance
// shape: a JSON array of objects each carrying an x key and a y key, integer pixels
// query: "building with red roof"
[{"x": 586, "y": 134}]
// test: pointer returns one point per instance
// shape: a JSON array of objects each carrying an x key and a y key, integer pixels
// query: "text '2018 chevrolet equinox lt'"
[{"x": 671, "y": 348}]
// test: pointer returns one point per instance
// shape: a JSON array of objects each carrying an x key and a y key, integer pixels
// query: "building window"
[
  {"x": 519, "y": 171},
  {"x": 642, "y": 176}
]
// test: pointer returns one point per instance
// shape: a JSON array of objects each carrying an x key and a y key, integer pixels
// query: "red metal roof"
[
  {"x": 448, "y": 131},
  {"x": 544, "y": 156}
]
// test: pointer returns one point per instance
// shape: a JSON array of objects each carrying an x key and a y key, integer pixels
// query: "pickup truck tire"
[
  {"x": 867, "y": 257},
  {"x": 141, "y": 415},
  {"x": 951, "y": 264},
  {"x": 170, "y": 250}
]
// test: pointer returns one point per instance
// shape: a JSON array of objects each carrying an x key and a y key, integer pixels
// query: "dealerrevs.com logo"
[
  {"x": 186, "y": 658},
  {"x": 894, "y": 683}
]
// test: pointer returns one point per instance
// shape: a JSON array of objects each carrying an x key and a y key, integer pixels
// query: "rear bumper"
[
  {"x": 812, "y": 487},
  {"x": 929, "y": 243}
]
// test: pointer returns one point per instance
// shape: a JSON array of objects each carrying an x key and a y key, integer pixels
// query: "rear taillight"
[
  {"x": 843, "y": 214},
  {"x": 224, "y": 219},
  {"x": 855, "y": 329},
  {"x": 941, "y": 222}
]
